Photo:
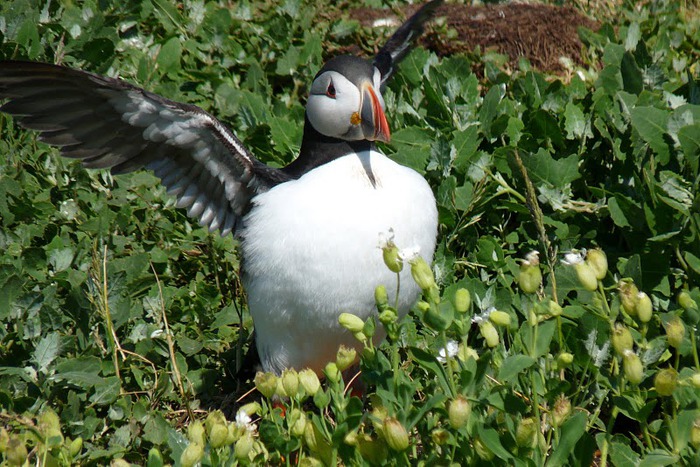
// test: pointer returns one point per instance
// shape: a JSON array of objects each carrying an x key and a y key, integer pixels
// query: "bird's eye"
[{"x": 330, "y": 92}]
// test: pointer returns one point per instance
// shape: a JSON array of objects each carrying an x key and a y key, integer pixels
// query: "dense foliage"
[{"x": 122, "y": 321}]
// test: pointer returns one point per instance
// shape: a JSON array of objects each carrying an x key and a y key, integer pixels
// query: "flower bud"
[
  {"x": 526, "y": 433},
  {"x": 597, "y": 260},
  {"x": 621, "y": 339},
  {"x": 489, "y": 333},
  {"x": 686, "y": 301},
  {"x": 530, "y": 277},
  {"x": 309, "y": 381},
  {"x": 586, "y": 276},
  {"x": 215, "y": 417},
  {"x": 391, "y": 257},
  {"x": 422, "y": 274},
  {"x": 381, "y": 299},
  {"x": 266, "y": 383},
  {"x": 459, "y": 411},
  {"x": 345, "y": 357},
  {"x": 4, "y": 439},
  {"x": 16, "y": 452},
  {"x": 155, "y": 458},
  {"x": 244, "y": 446},
  {"x": 290, "y": 382},
  {"x": 562, "y": 410},
  {"x": 554, "y": 308},
  {"x": 666, "y": 381},
  {"x": 695, "y": 434},
  {"x": 49, "y": 424},
  {"x": 437, "y": 320},
  {"x": 695, "y": 380},
  {"x": 388, "y": 316},
  {"x": 379, "y": 414},
  {"x": 192, "y": 454},
  {"x": 565, "y": 359},
  {"x": 462, "y": 300},
  {"x": 119, "y": 462},
  {"x": 643, "y": 308},
  {"x": 633, "y": 368},
  {"x": 395, "y": 434},
  {"x": 297, "y": 423},
  {"x": 75, "y": 446},
  {"x": 332, "y": 372},
  {"x": 629, "y": 294},
  {"x": 310, "y": 462},
  {"x": 373, "y": 451},
  {"x": 439, "y": 436},
  {"x": 500, "y": 318},
  {"x": 675, "y": 332},
  {"x": 351, "y": 322},
  {"x": 464, "y": 353},
  {"x": 218, "y": 435},
  {"x": 196, "y": 433}
]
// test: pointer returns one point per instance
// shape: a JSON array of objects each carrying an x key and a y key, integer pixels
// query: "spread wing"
[
  {"x": 108, "y": 123},
  {"x": 399, "y": 44}
]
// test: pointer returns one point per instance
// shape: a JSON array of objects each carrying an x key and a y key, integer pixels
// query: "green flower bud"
[
  {"x": 266, "y": 383},
  {"x": 250, "y": 409},
  {"x": 439, "y": 436},
  {"x": 489, "y": 333},
  {"x": 597, "y": 260},
  {"x": 437, "y": 320},
  {"x": 381, "y": 298},
  {"x": 629, "y": 294},
  {"x": 345, "y": 357},
  {"x": 218, "y": 435},
  {"x": 196, "y": 433},
  {"x": 565, "y": 359},
  {"x": 374, "y": 451},
  {"x": 388, "y": 316},
  {"x": 50, "y": 424},
  {"x": 422, "y": 274},
  {"x": 621, "y": 339},
  {"x": 395, "y": 434},
  {"x": 309, "y": 381},
  {"x": 244, "y": 446},
  {"x": 4, "y": 439},
  {"x": 586, "y": 276},
  {"x": 316, "y": 442},
  {"x": 310, "y": 462},
  {"x": 464, "y": 353},
  {"x": 16, "y": 452},
  {"x": 695, "y": 434},
  {"x": 686, "y": 301},
  {"x": 526, "y": 433},
  {"x": 462, "y": 300},
  {"x": 666, "y": 381},
  {"x": 675, "y": 332},
  {"x": 215, "y": 417},
  {"x": 297, "y": 423},
  {"x": 562, "y": 410},
  {"x": 459, "y": 411},
  {"x": 75, "y": 447},
  {"x": 554, "y": 308},
  {"x": 643, "y": 307},
  {"x": 155, "y": 458},
  {"x": 482, "y": 450},
  {"x": 351, "y": 438},
  {"x": 351, "y": 322},
  {"x": 530, "y": 277},
  {"x": 332, "y": 372},
  {"x": 500, "y": 318},
  {"x": 633, "y": 368},
  {"x": 379, "y": 414},
  {"x": 192, "y": 454},
  {"x": 290, "y": 382},
  {"x": 391, "y": 258},
  {"x": 695, "y": 380},
  {"x": 119, "y": 462}
]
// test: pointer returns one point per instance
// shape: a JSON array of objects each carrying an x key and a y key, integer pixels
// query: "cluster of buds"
[
  {"x": 362, "y": 330},
  {"x": 290, "y": 383},
  {"x": 635, "y": 303},
  {"x": 623, "y": 343}
]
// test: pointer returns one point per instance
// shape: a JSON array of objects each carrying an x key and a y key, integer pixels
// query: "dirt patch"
[{"x": 541, "y": 33}]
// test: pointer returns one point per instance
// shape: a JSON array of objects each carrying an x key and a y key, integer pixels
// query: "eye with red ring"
[{"x": 330, "y": 92}]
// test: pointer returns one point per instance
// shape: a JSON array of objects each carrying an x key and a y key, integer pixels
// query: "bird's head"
[{"x": 345, "y": 101}]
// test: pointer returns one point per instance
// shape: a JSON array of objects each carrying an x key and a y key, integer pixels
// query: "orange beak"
[{"x": 373, "y": 120}]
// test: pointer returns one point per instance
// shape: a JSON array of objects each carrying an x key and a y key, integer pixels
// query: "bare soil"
[{"x": 541, "y": 33}]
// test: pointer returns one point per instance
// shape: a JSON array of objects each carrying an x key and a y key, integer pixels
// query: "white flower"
[
  {"x": 483, "y": 316},
  {"x": 532, "y": 258},
  {"x": 386, "y": 239},
  {"x": 450, "y": 350},
  {"x": 409, "y": 254},
  {"x": 243, "y": 420},
  {"x": 573, "y": 258}
]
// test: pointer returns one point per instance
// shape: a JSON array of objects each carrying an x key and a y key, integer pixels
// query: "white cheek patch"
[{"x": 328, "y": 116}]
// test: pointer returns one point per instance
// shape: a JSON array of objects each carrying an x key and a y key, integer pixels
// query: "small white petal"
[
  {"x": 386, "y": 238},
  {"x": 409, "y": 254},
  {"x": 572, "y": 258},
  {"x": 450, "y": 350}
]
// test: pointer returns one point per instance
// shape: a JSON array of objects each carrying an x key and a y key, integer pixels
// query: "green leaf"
[
  {"x": 412, "y": 147},
  {"x": 575, "y": 121},
  {"x": 466, "y": 142},
  {"x": 513, "y": 365},
  {"x": 651, "y": 123},
  {"x": 632, "y": 79},
  {"x": 622, "y": 455},
  {"x": 543, "y": 168},
  {"x": 689, "y": 137},
  {"x": 46, "y": 351},
  {"x": 169, "y": 56},
  {"x": 571, "y": 432},
  {"x": 658, "y": 458},
  {"x": 490, "y": 438}
]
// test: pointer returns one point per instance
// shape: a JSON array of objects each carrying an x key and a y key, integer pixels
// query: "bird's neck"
[{"x": 317, "y": 149}]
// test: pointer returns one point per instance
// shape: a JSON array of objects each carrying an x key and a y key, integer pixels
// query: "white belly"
[{"x": 310, "y": 252}]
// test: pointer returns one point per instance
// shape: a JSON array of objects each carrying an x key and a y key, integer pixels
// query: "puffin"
[{"x": 309, "y": 233}]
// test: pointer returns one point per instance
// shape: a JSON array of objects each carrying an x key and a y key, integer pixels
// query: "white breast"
[{"x": 310, "y": 252}]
